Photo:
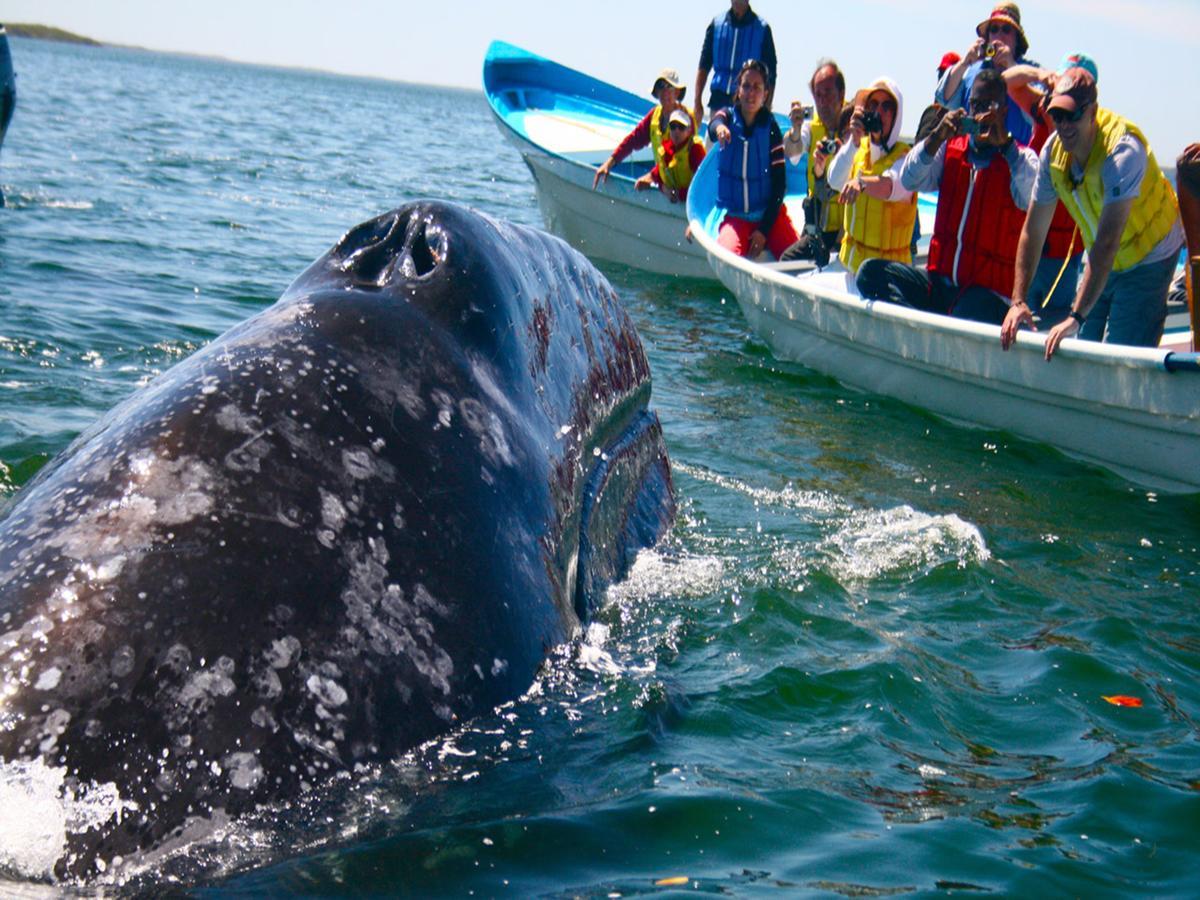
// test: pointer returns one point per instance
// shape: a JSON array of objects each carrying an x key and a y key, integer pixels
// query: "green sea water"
[{"x": 870, "y": 659}]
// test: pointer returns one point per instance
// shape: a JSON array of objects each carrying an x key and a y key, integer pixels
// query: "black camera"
[
  {"x": 872, "y": 121},
  {"x": 828, "y": 146}
]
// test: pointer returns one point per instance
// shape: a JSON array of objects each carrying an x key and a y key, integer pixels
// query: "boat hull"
[
  {"x": 1115, "y": 406},
  {"x": 615, "y": 222}
]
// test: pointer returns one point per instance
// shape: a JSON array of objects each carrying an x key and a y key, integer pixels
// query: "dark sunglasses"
[
  {"x": 889, "y": 105},
  {"x": 1062, "y": 117},
  {"x": 1003, "y": 28},
  {"x": 676, "y": 126},
  {"x": 979, "y": 107}
]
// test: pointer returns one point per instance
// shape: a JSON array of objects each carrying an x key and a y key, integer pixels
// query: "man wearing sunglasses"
[
  {"x": 984, "y": 180},
  {"x": 1102, "y": 169}
]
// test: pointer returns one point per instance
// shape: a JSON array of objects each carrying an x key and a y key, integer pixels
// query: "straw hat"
[{"x": 1010, "y": 14}]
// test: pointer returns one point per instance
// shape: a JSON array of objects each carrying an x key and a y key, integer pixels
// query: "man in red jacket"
[{"x": 984, "y": 180}]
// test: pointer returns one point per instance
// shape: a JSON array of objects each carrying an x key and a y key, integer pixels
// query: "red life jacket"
[
  {"x": 977, "y": 227},
  {"x": 1062, "y": 226}
]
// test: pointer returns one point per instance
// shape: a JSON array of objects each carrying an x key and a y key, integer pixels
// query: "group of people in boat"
[{"x": 1052, "y": 209}]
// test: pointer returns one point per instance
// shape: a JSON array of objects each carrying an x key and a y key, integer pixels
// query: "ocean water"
[{"x": 870, "y": 659}]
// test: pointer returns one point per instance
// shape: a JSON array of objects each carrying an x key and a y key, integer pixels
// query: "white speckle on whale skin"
[
  {"x": 55, "y": 724},
  {"x": 245, "y": 772},
  {"x": 49, "y": 679},
  {"x": 282, "y": 652},
  {"x": 231, "y": 418},
  {"x": 326, "y": 690},
  {"x": 333, "y": 515}
]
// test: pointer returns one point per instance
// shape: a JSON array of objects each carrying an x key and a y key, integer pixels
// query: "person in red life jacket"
[
  {"x": 1101, "y": 167},
  {"x": 984, "y": 180},
  {"x": 652, "y": 131},
  {"x": 751, "y": 179},
  {"x": 681, "y": 157},
  {"x": 731, "y": 39}
]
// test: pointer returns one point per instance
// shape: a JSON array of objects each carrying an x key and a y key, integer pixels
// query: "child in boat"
[
  {"x": 652, "y": 131},
  {"x": 752, "y": 178},
  {"x": 681, "y": 157}
]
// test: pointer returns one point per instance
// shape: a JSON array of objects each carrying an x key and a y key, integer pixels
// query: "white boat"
[
  {"x": 1135, "y": 411},
  {"x": 564, "y": 124}
]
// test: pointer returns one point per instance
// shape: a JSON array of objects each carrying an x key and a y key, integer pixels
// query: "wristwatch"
[{"x": 1077, "y": 316}]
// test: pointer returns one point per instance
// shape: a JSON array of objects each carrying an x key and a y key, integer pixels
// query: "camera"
[
  {"x": 968, "y": 125},
  {"x": 828, "y": 146},
  {"x": 872, "y": 122}
]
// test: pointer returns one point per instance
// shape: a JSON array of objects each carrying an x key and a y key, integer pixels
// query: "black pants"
[{"x": 896, "y": 282}]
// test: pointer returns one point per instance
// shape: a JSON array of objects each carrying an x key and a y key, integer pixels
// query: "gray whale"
[{"x": 356, "y": 519}]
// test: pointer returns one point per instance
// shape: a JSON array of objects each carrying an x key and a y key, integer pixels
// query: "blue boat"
[{"x": 564, "y": 124}]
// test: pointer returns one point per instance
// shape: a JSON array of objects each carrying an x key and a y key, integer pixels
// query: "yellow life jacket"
[
  {"x": 677, "y": 172},
  {"x": 877, "y": 228},
  {"x": 1155, "y": 208},
  {"x": 834, "y": 214}
]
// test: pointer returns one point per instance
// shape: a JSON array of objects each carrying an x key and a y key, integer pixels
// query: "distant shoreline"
[{"x": 50, "y": 33}]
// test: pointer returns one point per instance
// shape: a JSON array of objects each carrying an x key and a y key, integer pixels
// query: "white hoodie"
[{"x": 839, "y": 168}]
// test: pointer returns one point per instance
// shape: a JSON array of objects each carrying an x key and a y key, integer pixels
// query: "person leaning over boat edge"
[
  {"x": 984, "y": 180},
  {"x": 732, "y": 37},
  {"x": 820, "y": 139},
  {"x": 681, "y": 157},
  {"x": 1101, "y": 167},
  {"x": 880, "y": 210},
  {"x": 653, "y": 130},
  {"x": 751, "y": 180}
]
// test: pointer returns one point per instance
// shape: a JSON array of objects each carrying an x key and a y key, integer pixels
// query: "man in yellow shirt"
[{"x": 1101, "y": 167}]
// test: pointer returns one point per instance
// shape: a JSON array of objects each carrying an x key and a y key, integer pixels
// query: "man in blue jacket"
[{"x": 731, "y": 39}]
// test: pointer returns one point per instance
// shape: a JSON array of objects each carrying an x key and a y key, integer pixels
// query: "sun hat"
[
  {"x": 1009, "y": 13},
  {"x": 1073, "y": 90},
  {"x": 671, "y": 77}
]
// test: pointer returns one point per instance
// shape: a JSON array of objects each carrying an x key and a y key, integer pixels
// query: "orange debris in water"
[{"x": 1122, "y": 700}]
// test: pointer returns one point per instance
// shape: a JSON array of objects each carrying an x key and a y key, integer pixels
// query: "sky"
[{"x": 1148, "y": 52}]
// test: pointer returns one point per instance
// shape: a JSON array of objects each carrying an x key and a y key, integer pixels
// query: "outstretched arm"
[
  {"x": 1029, "y": 254},
  {"x": 1100, "y": 259}
]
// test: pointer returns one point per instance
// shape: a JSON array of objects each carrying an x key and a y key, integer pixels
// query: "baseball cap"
[
  {"x": 1074, "y": 90},
  {"x": 1081, "y": 61},
  {"x": 680, "y": 117}
]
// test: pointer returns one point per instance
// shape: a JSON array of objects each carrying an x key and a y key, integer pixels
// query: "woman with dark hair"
[{"x": 751, "y": 173}]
